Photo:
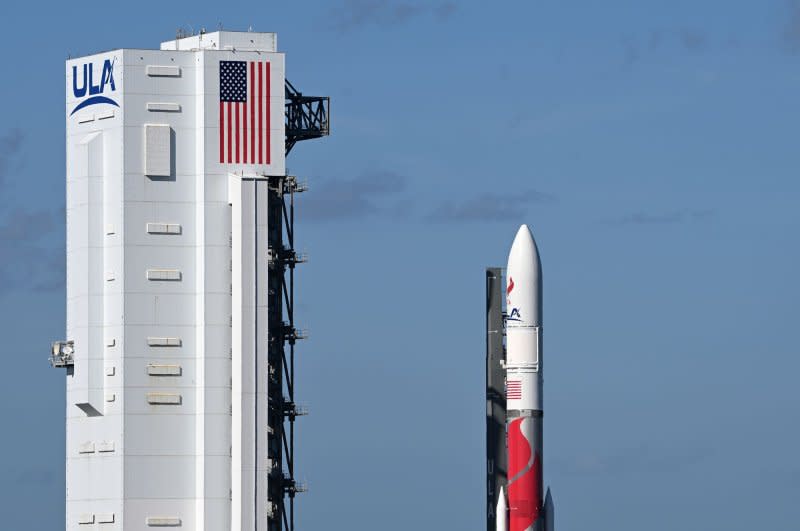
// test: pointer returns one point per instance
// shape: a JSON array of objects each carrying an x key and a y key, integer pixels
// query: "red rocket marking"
[
  {"x": 519, "y": 450},
  {"x": 523, "y": 493},
  {"x": 510, "y": 285},
  {"x": 523, "y": 507}
]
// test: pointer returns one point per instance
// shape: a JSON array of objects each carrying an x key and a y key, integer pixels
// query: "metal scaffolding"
[
  {"x": 283, "y": 410},
  {"x": 496, "y": 460},
  {"x": 306, "y": 119}
]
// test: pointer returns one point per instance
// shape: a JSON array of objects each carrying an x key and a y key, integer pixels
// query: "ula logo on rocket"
[
  {"x": 514, "y": 315},
  {"x": 94, "y": 86}
]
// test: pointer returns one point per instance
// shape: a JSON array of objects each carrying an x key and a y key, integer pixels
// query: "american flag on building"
[
  {"x": 244, "y": 112},
  {"x": 513, "y": 390}
]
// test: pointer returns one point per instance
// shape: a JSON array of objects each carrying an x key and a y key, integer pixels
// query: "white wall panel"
[
  {"x": 162, "y": 460},
  {"x": 181, "y": 142},
  {"x": 222, "y": 40},
  {"x": 139, "y": 188},
  {"x": 249, "y": 200},
  {"x": 162, "y": 434},
  {"x": 138, "y": 81},
  {"x": 163, "y": 257},
  {"x": 136, "y": 341},
  {"x": 140, "y": 377},
  {"x": 163, "y": 71},
  {"x": 157, "y": 150},
  {"x": 163, "y": 476},
  {"x": 177, "y": 216},
  {"x": 138, "y": 511},
  {"x": 182, "y": 117},
  {"x": 99, "y": 476},
  {"x": 218, "y": 339}
]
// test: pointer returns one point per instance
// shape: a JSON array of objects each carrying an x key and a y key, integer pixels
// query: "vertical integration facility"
[{"x": 180, "y": 335}]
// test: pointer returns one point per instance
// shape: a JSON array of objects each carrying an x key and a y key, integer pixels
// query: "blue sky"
[{"x": 652, "y": 147}]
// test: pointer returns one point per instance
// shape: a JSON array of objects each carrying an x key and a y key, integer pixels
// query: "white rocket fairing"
[{"x": 524, "y": 405}]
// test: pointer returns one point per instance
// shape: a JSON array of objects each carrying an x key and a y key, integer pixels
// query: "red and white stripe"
[
  {"x": 514, "y": 390},
  {"x": 244, "y": 127}
]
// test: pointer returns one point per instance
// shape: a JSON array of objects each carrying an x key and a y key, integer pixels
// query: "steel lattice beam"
[{"x": 307, "y": 117}]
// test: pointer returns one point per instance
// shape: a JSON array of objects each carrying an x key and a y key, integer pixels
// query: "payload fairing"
[{"x": 526, "y": 507}]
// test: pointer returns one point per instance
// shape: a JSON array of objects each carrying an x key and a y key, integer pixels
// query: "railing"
[{"x": 61, "y": 354}]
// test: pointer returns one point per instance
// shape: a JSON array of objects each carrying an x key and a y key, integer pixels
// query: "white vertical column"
[
  {"x": 86, "y": 276},
  {"x": 249, "y": 457},
  {"x": 238, "y": 506},
  {"x": 260, "y": 366},
  {"x": 200, "y": 303}
]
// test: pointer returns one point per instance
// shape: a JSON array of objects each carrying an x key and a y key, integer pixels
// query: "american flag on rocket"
[
  {"x": 514, "y": 390},
  {"x": 244, "y": 114}
]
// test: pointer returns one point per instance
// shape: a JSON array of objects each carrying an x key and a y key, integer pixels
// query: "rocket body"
[{"x": 523, "y": 365}]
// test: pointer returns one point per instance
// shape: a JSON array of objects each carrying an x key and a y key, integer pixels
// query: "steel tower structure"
[
  {"x": 307, "y": 118},
  {"x": 496, "y": 460}
]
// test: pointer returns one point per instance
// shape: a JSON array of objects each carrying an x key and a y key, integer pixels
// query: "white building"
[{"x": 169, "y": 154}]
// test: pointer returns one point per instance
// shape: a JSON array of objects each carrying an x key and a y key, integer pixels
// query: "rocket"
[{"x": 526, "y": 507}]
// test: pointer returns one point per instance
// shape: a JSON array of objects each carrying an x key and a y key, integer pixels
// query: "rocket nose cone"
[
  {"x": 524, "y": 232},
  {"x": 524, "y": 281},
  {"x": 524, "y": 246}
]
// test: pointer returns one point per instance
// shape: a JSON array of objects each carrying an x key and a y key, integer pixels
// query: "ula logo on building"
[{"x": 86, "y": 81}]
